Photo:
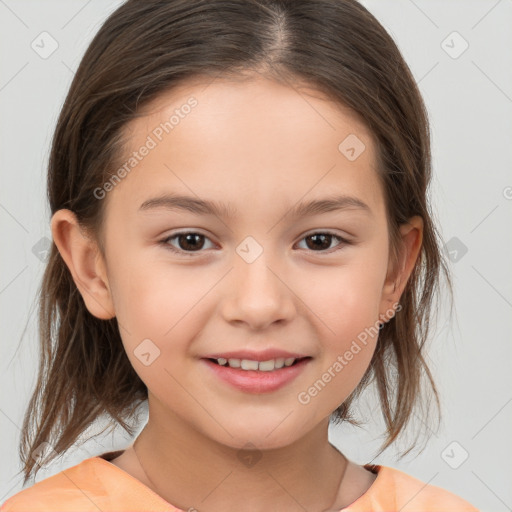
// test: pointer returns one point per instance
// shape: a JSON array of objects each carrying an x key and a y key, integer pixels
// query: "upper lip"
[{"x": 263, "y": 355}]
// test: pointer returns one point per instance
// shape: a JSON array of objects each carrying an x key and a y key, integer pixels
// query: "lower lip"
[{"x": 256, "y": 381}]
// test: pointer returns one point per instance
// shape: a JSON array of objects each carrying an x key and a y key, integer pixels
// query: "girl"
[{"x": 288, "y": 142}]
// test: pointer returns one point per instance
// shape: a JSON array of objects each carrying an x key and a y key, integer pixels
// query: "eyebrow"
[{"x": 208, "y": 207}]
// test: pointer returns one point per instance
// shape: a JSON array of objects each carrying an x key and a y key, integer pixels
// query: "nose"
[{"x": 257, "y": 294}]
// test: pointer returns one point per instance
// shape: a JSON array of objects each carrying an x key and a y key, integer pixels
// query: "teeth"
[
  {"x": 246, "y": 364},
  {"x": 263, "y": 366},
  {"x": 279, "y": 362},
  {"x": 266, "y": 366}
]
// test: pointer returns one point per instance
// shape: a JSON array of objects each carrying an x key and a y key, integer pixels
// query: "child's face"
[{"x": 260, "y": 148}]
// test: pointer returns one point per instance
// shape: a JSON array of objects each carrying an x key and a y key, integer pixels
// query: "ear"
[
  {"x": 398, "y": 275},
  {"x": 85, "y": 262}
]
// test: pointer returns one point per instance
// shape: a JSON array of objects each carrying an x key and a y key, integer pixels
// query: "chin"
[
  {"x": 266, "y": 434},
  {"x": 257, "y": 442}
]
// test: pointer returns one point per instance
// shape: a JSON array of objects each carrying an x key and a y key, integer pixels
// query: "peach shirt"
[{"x": 97, "y": 485}]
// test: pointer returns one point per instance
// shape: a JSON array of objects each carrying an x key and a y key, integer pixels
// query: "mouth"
[
  {"x": 252, "y": 376},
  {"x": 262, "y": 366}
]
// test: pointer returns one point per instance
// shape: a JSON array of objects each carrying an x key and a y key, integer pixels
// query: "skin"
[{"x": 261, "y": 147}]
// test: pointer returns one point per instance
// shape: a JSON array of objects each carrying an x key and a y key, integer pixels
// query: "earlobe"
[
  {"x": 398, "y": 275},
  {"x": 85, "y": 263}
]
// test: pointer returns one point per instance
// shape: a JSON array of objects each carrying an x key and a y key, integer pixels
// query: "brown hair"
[{"x": 147, "y": 47}]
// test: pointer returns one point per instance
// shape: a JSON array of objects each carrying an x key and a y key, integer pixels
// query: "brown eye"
[
  {"x": 188, "y": 242},
  {"x": 322, "y": 242}
]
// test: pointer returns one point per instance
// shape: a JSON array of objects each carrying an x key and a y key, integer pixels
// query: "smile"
[
  {"x": 262, "y": 366},
  {"x": 257, "y": 376}
]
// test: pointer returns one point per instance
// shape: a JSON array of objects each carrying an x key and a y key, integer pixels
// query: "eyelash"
[{"x": 166, "y": 244}]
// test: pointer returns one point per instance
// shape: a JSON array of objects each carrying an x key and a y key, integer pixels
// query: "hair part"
[{"x": 147, "y": 48}]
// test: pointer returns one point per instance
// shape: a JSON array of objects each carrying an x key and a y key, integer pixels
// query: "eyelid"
[
  {"x": 343, "y": 241},
  {"x": 345, "y": 237},
  {"x": 165, "y": 241}
]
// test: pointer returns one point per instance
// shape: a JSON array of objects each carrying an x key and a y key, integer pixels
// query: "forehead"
[{"x": 242, "y": 142}]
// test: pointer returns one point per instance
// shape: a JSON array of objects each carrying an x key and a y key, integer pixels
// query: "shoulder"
[
  {"x": 69, "y": 488},
  {"x": 94, "y": 484},
  {"x": 395, "y": 490}
]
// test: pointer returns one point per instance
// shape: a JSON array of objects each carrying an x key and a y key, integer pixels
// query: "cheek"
[
  {"x": 346, "y": 298},
  {"x": 344, "y": 305},
  {"x": 158, "y": 314},
  {"x": 160, "y": 303},
  {"x": 147, "y": 294}
]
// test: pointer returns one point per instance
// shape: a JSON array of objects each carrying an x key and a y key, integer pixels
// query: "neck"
[{"x": 192, "y": 471}]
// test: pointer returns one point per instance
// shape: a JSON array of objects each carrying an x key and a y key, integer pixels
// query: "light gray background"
[{"x": 469, "y": 98}]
